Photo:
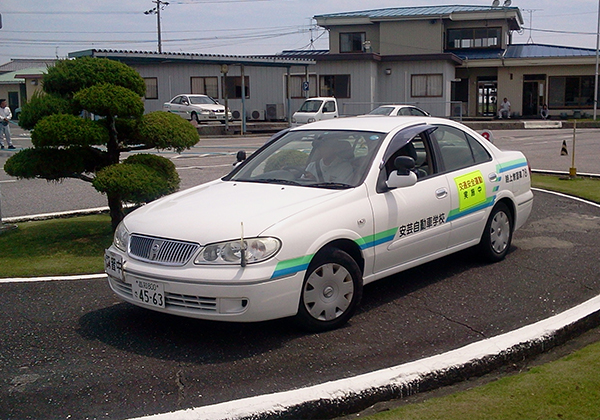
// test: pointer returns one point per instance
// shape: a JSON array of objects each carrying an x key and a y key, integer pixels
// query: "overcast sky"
[{"x": 49, "y": 29}]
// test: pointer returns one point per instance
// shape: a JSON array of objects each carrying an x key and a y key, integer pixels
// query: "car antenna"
[{"x": 242, "y": 248}]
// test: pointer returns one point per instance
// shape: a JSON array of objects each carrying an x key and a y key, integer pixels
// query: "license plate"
[
  {"x": 113, "y": 264},
  {"x": 149, "y": 293}
]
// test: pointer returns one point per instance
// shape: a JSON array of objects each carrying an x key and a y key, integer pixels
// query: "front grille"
[{"x": 161, "y": 251}]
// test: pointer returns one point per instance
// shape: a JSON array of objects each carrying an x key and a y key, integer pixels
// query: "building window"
[
  {"x": 474, "y": 38},
  {"x": 335, "y": 85},
  {"x": 426, "y": 85},
  {"x": 233, "y": 87},
  {"x": 205, "y": 86},
  {"x": 151, "y": 87},
  {"x": 297, "y": 83},
  {"x": 352, "y": 42},
  {"x": 571, "y": 92}
]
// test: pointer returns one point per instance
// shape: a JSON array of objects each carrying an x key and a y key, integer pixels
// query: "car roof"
[
  {"x": 397, "y": 106},
  {"x": 189, "y": 94},
  {"x": 378, "y": 123}
]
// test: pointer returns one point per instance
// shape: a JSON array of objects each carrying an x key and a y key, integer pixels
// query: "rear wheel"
[
  {"x": 497, "y": 236},
  {"x": 331, "y": 291}
]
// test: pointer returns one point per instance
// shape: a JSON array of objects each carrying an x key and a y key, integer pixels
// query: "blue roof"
[
  {"x": 421, "y": 11},
  {"x": 527, "y": 51}
]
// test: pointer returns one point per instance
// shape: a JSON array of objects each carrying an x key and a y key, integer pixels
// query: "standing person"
[
  {"x": 504, "y": 111},
  {"x": 5, "y": 116}
]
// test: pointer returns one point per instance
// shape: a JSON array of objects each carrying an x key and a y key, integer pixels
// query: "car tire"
[
  {"x": 497, "y": 236},
  {"x": 195, "y": 117},
  {"x": 331, "y": 291}
]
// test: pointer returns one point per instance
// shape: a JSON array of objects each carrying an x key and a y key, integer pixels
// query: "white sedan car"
[
  {"x": 395, "y": 110},
  {"x": 199, "y": 108},
  {"x": 299, "y": 228}
]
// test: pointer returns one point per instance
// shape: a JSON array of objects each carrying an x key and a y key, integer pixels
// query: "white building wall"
[{"x": 372, "y": 83}]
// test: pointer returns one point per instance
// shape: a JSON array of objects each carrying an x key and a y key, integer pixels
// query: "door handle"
[{"x": 441, "y": 193}]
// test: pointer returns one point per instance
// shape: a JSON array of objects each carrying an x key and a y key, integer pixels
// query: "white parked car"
[
  {"x": 395, "y": 110},
  {"x": 199, "y": 108},
  {"x": 299, "y": 228}
]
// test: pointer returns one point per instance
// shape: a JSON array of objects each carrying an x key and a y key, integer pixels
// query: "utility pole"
[
  {"x": 597, "y": 62},
  {"x": 160, "y": 5}
]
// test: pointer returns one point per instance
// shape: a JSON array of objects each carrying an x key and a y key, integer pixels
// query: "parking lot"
[{"x": 71, "y": 349}]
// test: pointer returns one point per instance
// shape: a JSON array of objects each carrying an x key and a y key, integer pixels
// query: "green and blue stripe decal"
[
  {"x": 289, "y": 267},
  {"x": 457, "y": 213},
  {"x": 377, "y": 239},
  {"x": 509, "y": 166}
]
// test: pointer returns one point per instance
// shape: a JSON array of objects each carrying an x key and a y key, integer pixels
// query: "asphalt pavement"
[{"x": 71, "y": 349}]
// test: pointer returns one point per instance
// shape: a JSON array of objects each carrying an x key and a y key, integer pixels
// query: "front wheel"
[
  {"x": 195, "y": 117},
  {"x": 497, "y": 236},
  {"x": 331, "y": 291}
]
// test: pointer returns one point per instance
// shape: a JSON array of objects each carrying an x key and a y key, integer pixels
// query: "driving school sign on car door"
[{"x": 471, "y": 190}]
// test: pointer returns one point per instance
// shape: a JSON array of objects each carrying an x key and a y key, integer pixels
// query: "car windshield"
[
  {"x": 202, "y": 100},
  {"x": 310, "y": 106},
  {"x": 382, "y": 110},
  {"x": 314, "y": 158}
]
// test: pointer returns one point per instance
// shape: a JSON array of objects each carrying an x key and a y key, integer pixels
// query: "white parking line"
[{"x": 53, "y": 278}]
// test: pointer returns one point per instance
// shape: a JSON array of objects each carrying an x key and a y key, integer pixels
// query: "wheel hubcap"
[
  {"x": 328, "y": 292},
  {"x": 499, "y": 232}
]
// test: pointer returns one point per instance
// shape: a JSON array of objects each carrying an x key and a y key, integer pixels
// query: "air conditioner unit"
[
  {"x": 256, "y": 115},
  {"x": 236, "y": 115},
  {"x": 275, "y": 112}
]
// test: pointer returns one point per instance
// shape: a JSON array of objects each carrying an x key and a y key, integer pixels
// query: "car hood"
[
  {"x": 215, "y": 211},
  {"x": 214, "y": 107}
]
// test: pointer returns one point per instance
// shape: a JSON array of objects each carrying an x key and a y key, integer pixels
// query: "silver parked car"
[{"x": 393, "y": 110}]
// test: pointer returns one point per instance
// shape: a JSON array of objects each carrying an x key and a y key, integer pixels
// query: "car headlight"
[
  {"x": 205, "y": 111},
  {"x": 311, "y": 120},
  {"x": 121, "y": 238},
  {"x": 294, "y": 120},
  {"x": 230, "y": 252}
]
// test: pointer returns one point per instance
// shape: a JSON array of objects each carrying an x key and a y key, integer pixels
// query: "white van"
[{"x": 316, "y": 109}]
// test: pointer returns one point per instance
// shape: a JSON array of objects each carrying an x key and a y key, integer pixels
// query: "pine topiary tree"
[{"x": 68, "y": 145}]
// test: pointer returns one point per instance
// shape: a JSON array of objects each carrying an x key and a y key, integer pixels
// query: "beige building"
[
  {"x": 487, "y": 66},
  {"x": 19, "y": 79}
]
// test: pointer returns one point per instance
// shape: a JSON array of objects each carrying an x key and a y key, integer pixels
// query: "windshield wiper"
[
  {"x": 334, "y": 185},
  {"x": 272, "y": 181}
]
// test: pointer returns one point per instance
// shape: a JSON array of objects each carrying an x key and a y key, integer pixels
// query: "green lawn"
[
  {"x": 568, "y": 388},
  {"x": 55, "y": 247}
]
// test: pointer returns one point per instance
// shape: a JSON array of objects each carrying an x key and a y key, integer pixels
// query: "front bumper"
[{"x": 223, "y": 293}]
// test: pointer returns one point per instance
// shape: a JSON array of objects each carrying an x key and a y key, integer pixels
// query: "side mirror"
[
  {"x": 240, "y": 157},
  {"x": 404, "y": 164},
  {"x": 403, "y": 176}
]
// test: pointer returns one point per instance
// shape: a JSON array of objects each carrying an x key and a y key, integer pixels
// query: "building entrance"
[
  {"x": 487, "y": 98},
  {"x": 533, "y": 94}
]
